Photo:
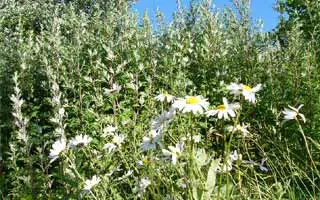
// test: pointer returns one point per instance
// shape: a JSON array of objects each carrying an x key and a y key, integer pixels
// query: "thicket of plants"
[{"x": 97, "y": 104}]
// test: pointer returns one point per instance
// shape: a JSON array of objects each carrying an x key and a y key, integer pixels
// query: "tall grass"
[{"x": 68, "y": 70}]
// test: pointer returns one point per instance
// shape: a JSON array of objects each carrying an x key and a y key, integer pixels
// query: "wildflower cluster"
[
  {"x": 60, "y": 145},
  {"x": 103, "y": 106},
  {"x": 248, "y": 92}
]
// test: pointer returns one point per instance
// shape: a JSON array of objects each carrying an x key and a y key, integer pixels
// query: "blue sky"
[{"x": 260, "y": 9}]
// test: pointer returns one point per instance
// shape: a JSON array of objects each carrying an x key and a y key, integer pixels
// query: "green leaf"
[
  {"x": 201, "y": 157},
  {"x": 211, "y": 179}
]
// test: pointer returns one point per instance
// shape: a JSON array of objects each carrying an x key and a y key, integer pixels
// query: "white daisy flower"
[
  {"x": 80, "y": 140},
  {"x": 165, "y": 97},
  {"x": 293, "y": 113},
  {"x": 90, "y": 183},
  {"x": 174, "y": 152},
  {"x": 110, "y": 147},
  {"x": 194, "y": 104},
  {"x": 118, "y": 139},
  {"x": 225, "y": 110},
  {"x": 250, "y": 93},
  {"x": 109, "y": 130},
  {"x": 239, "y": 128},
  {"x": 57, "y": 147},
  {"x": 143, "y": 184},
  {"x": 235, "y": 89}
]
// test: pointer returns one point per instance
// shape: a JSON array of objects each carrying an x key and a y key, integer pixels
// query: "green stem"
[
  {"x": 94, "y": 196},
  {"x": 306, "y": 143},
  {"x": 191, "y": 176},
  {"x": 72, "y": 164},
  {"x": 236, "y": 121}
]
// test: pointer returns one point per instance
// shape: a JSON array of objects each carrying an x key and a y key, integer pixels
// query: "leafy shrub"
[{"x": 79, "y": 118}]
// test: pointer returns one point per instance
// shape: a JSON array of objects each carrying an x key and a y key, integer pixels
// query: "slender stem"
[
  {"x": 94, "y": 196},
  {"x": 236, "y": 121},
  {"x": 191, "y": 150},
  {"x": 72, "y": 164},
  {"x": 306, "y": 143},
  {"x": 114, "y": 108}
]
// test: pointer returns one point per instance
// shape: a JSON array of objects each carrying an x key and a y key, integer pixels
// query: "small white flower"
[
  {"x": 250, "y": 93},
  {"x": 114, "y": 171},
  {"x": 126, "y": 175},
  {"x": 262, "y": 167},
  {"x": 163, "y": 119},
  {"x": 110, "y": 147},
  {"x": 109, "y": 130},
  {"x": 225, "y": 110},
  {"x": 140, "y": 163},
  {"x": 293, "y": 113},
  {"x": 235, "y": 89},
  {"x": 114, "y": 89},
  {"x": 174, "y": 152},
  {"x": 224, "y": 167},
  {"x": 227, "y": 166},
  {"x": 239, "y": 128},
  {"x": 234, "y": 156},
  {"x": 150, "y": 142},
  {"x": 165, "y": 97},
  {"x": 194, "y": 104},
  {"x": 143, "y": 184},
  {"x": 90, "y": 183},
  {"x": 118, "y": 139},
  {"x": 195, "y": 138},
  {"x": 80, "y": 140},
  {"x": 144, "y": 160},
  {"x": 158, "y": 125},
  {"x": 147, "y": 144},
  {"x": 61, "y": 112},
  {"x": 57, "y": 147}
]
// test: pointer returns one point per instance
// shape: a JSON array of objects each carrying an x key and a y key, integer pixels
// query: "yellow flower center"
[
  {"x": 247, "y": 88},
  {"x": 192, "y": 100},
  {"x": 221, "y": 107},
  {"x": 145, "y": 161},
  {"x": 165, "y": 94}
]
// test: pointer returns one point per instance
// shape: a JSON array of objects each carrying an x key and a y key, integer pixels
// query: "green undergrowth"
[{"x": 70, "y": 69}]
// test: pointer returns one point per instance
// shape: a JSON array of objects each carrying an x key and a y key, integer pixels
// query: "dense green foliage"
[
  {"x": 305, "y": 12},
  {"x": 299, "y": 14},
  {"x": 60, "y": 63}
]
